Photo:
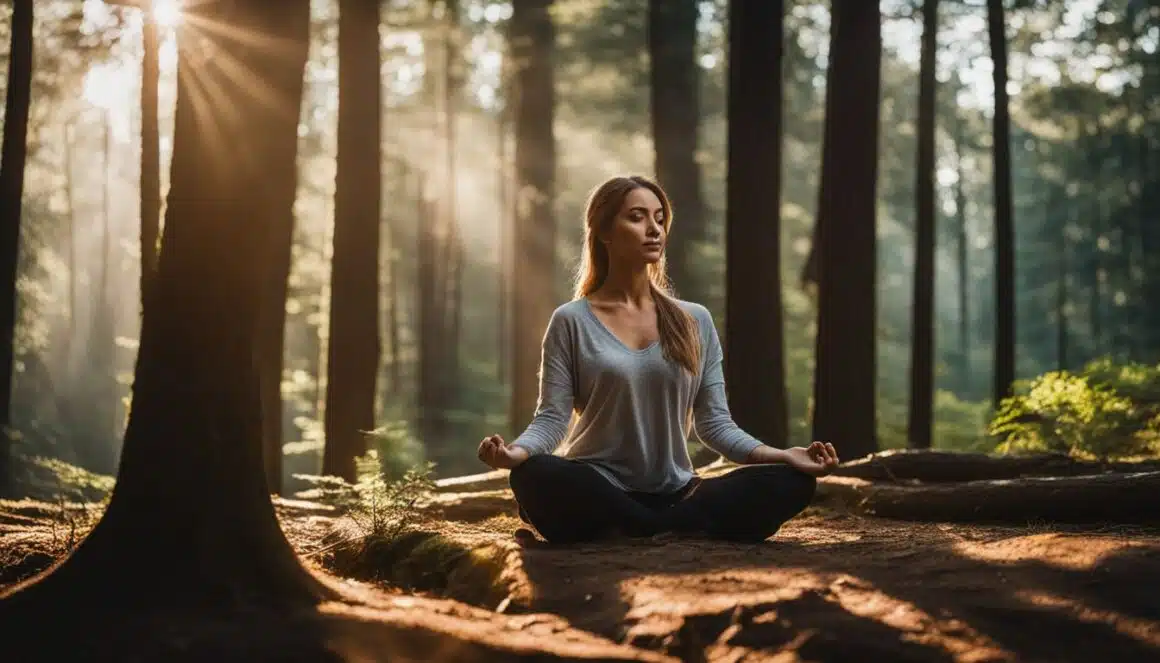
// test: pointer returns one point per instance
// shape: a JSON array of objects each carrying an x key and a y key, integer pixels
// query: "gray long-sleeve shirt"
[{"x": 632, "y": 405}]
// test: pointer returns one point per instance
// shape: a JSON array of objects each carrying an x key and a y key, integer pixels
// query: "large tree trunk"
[
  {"x": 531, "y": 40},
  {"x": 676, "y": 114},
  {"x": 353, "y": 358},
  {"x": 195, "y": 419},
  {"x": 12, "y": 158},
  {"x": 1004, "y": 223},
  {"x": 845, "y": 380},
  {"x": 755, "y": 362},
  {"x": 150, "y": 151},
  {"x": 920, "y": 423}
]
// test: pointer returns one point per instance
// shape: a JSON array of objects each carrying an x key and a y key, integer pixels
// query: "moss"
[{"x": 428, "y": 562}]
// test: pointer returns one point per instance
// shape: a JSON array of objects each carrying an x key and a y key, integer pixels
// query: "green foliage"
[
  {"x": 378, "y": 507},
  {"x": 397, "y": 449},
  {"x": 959, "y": 425},
  {"x": 1103, "y": 411},
  {"x": 51, "y": 479}
]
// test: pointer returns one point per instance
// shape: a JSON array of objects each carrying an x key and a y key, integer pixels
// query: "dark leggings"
[{"x": 568, "y": 501}]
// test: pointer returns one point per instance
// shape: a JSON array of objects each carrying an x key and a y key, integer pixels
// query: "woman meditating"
[{"x": 633, "y": 362}]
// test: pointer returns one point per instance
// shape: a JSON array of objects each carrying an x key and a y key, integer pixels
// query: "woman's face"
[{"x": 637, "y": 234}]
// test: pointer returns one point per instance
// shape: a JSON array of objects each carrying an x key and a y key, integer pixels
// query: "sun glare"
[{"x": 167, "y": 13}]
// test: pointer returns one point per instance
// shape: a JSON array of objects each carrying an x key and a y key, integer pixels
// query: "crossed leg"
[
  {"x": 749, "y": 504},
  {"x": 568, "y": 502}
]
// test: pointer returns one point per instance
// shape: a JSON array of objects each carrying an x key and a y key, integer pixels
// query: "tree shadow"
[{"x": 1027, "y": 608}]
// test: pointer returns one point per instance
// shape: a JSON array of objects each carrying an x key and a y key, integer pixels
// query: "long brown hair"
[{"x": 680, "y": 339}]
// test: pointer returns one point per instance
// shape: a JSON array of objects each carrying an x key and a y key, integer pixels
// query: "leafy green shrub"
[
  {"x": 378, "y": 506},
  {"x": 1105, "y": 411},
  {"x": 397, "y": 449},
  {"x": 51, "y": 479}
]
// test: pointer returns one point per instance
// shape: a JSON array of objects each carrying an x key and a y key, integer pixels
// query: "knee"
[
  {"x": 803, "y": 486},
  {"x": 796, "y": 487},
  {"x": 531, "y": 471}
]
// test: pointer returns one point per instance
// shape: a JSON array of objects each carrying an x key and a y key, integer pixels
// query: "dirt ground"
[{"x": 829, "y": 587}]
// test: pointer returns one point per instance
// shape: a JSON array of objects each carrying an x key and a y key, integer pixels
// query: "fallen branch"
[
  {"x": 952, "y": 466},
  {"x": 1108, "y": 498}
]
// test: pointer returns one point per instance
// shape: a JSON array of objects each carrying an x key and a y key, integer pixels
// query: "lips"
[{"x": 652, "y": 245}]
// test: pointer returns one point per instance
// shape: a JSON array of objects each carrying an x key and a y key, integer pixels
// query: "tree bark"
[
  {"x": 196, "y": 402},
  {"x": 431, "y": 330},
  {"x": 1004, "y": 222},
  {"x": 452, "y": 88},
  {"x": 12, "y": 159},
  {"x": 921, "y": 420},
  {"x": 150, "y": 150},
  {"x": 963, "y": 250},
  {"x": 675, "y": 105},
  {"x": 1108, "y": 498},
  {"x": 353, "y": 357},
  {"x": 952, "y": 466},
  {"x": 531, "y": 40},
  {"x": 845, "y": 377},
  {"x": 754, "y": 337}
]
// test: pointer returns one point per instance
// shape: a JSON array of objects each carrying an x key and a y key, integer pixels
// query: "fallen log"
[
  {"x": 1130, "y": 498},
  {"x": 952, "y": 466},
  {"x": 493, "y": 480}
]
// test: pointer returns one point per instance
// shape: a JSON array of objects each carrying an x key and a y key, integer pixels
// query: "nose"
[{"x": 654, "y": 228}]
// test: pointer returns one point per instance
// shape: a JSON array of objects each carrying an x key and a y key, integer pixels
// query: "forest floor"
[{"x": 831, "y": 586}]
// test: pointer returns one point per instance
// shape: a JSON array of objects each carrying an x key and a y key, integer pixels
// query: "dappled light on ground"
[{"x": 829, "y": 587}]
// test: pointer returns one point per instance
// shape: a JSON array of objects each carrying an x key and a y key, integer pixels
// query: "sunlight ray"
[{"x": 223, "y": 33}]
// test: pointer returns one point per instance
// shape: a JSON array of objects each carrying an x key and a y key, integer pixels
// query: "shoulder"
[
  {"x": 570, "y": 312},
  {"x": 699, "y": 312},
  {"x": 567, "y": 317}
]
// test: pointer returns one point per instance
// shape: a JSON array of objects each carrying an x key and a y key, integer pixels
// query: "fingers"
[
  {"x": 817, "y": 452},
  {"x": 824, "y": 453},
  {"x": 488, "y": 448}
]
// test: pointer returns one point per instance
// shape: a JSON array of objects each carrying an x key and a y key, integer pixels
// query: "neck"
[{"x": 628, "y": 284}]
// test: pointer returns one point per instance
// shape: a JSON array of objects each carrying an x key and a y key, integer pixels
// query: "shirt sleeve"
[
  {"x": 711, "y": 417},
  {"x": 554, "y": 407}
]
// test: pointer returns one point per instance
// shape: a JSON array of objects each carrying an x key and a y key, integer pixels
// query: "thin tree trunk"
[
  {"x": 429, "y": 318},
  {"x": 99, "y": 446},
  {"x": 675, "y": 105},
  {"x": 810, "y": 268},
  {"x": 962, "y": 246},
  {"x": 394, "y": 386},
  {"x": 503, "y": 215},
  {"x": 452, "y": 88},
  {"x": 532, "y": 44},
  {"x": 12, "y": 160},
  {"x": 150, "y": 150},
  {"x": 1004, "y": 222},
  {"x": 1062, "y": 361},
  {"x": 353, "y": 357},
  {"x": 921, "y": 420},
  {"x": 1098, "y": 226},
  {"x": 754, "y": 343},
  {"x": 845, "y": 380},
  {"x": 196, "y": 401},
  {"x": 71, "y": 253}
]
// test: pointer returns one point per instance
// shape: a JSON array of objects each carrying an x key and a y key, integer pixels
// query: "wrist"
[
  {"x": 764, "y": 455},
  {"x": 519, "y": 455}
]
